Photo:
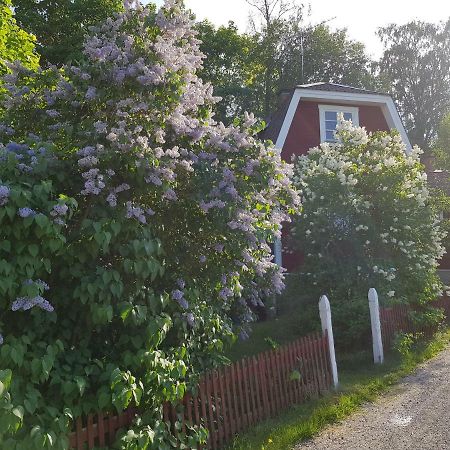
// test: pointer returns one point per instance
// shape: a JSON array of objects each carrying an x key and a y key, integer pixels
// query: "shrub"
[
  {"x": 133, "y": 232},
  {"x": 367, "y": 222}
]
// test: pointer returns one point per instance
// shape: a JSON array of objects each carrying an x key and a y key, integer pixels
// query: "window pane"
[
  {"x": 330, "y": 135},
  {"x": 330, "y": 124},
  {"x": 331, "y": 115},
  {"x": 348, "y": 116}
]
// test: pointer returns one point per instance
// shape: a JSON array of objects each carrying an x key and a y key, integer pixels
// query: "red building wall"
[
  {"x": 305, "y": 134},
  {"x": 305, "y": 128}
]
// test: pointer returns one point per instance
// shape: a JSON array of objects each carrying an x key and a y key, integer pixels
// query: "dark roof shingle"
[{"x": 333, "y": 87}]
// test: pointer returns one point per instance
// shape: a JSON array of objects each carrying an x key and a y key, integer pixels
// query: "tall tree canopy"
[
  {"x": 248, "y": 70},
  {"x": 15, "y": 43},
  {"x": 317, "y": 53},
  {"x": 60, "y": 25},
  {"x": 231, "y": 66},
  {"x": 416, "y": 61}
]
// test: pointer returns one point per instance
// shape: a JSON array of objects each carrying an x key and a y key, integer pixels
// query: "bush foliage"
[
  {"x": 367, "y": 222},
  {"x": 133, "y": 232}
]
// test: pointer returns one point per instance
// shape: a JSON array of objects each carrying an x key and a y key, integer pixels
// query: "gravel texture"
[{"x": 415, "y": 415}]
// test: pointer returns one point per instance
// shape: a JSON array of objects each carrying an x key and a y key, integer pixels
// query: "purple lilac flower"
[
  {"x": 59, "y": 210},
  {"x": 15, "y": 147},
  {"x": 26, "y": 212},
  {"x": 170, "y": 195},
  {"x": 26, "y": 303},
  {"x": 91, "y": 93},
  {"x": 202, "y": 259},
  {"x": 1, "y": 339},
  {"x": 183, "y": 303},
  {"x": 219, "y": 248},
  {"x": 177, "y": 294},
  {"x": 52, "y": 113},
  {"x": 181, "y": 283},
  {"x": 43, "y": 284},
  {"x": 225, "y": 293},
  {"x": 136, "y": 212},
  {"x": 243, "y": 335},
  {"x": 190, "y": 319},
  {"x": 4, "y": 195},
  {"x": 24, "y": 167},
  {"x": 100, "y": 127}
]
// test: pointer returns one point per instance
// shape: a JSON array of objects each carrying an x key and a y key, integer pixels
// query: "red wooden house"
[{"x": 307, "y": 116}]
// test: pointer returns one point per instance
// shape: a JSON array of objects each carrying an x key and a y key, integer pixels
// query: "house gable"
[{"x": 295, "y": 127}]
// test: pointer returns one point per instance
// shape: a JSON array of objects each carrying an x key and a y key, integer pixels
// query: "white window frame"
[{"x": 337, "y": 109}]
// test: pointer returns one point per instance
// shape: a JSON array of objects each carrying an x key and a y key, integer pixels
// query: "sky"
[{"x": 360, "y": 17}]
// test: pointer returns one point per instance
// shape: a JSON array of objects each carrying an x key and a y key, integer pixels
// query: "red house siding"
[
  {"x": 304, "y": 134},
  {"x": 444, "y": 263},
  {"x": 305, "y": 129}
]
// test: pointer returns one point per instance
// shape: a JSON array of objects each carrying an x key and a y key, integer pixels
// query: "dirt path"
[{"x": 415, "y": 415}]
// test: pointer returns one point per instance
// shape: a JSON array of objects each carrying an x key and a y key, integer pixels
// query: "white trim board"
[{"x": 388, "y": 108}]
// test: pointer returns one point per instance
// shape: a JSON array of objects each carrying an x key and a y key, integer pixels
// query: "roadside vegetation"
[{"x": 360, "y": 382}]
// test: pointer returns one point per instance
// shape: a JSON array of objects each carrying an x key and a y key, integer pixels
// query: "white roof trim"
[{"x": 390, "y": 112}]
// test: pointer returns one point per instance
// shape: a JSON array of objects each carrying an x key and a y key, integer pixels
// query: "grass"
[
  {"x": 296, "y": 318},
  {"x": 360, "y": 382}
]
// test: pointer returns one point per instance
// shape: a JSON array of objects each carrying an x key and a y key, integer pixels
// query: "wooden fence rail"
[
  {"x": 396, "y": 319},
  {"x": 235, "y": 397}
]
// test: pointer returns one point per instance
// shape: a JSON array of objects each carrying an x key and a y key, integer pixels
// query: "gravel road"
[{"x": 415, "y": 415}]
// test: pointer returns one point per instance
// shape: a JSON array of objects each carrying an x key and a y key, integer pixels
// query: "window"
[{"x": 328, "y": 119}]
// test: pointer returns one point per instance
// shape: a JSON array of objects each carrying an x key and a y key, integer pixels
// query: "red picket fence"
[
  {"x": 99, "y": 430},
  {"x": 395, "y": 319},
  {"x": 235, "y": 397}
]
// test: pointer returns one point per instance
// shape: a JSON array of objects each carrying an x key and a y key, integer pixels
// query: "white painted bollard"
[
  {"x": 325, "y": 318},
  {"x": 377, "y": 342}
]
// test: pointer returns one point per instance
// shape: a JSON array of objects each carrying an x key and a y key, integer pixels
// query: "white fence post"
[
  {"x": 325, "y": 318},
  {"x": 377, "y": 342}
]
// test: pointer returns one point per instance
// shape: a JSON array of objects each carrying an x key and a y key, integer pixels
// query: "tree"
[
  {"x": 290, "y": 53},
  {"x": 230, "y": 66},
  {"x": 134, "y": 233},
  {"x": 319, "y": 54},
  {"x": 367, "y": 222},
  {"x": 442, "y": 144},
  {"x": 269, "y": 28},
  {"x": 416, "y": 61},
  {"x": 60, "y": 25},
  {"x": 15, "y": 43}
]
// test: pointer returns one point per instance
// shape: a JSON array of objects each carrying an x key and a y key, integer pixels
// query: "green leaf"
[
  {"x": 41, "y": 220},
  {"x": 33, "y": 250},
  {"x": 18, "y": 412},
  {"x": 104, "y": 399}
]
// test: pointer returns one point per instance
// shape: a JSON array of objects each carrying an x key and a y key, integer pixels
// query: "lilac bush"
[
  {"x": 149, "y": 222},
  {"x": 367, "y": 221}
]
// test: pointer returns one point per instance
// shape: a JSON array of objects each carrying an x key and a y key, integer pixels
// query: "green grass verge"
[{"x": 360, "y": 382}]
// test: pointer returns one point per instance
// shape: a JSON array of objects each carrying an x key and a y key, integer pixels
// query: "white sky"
[{"x": 360, "y": 17}]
